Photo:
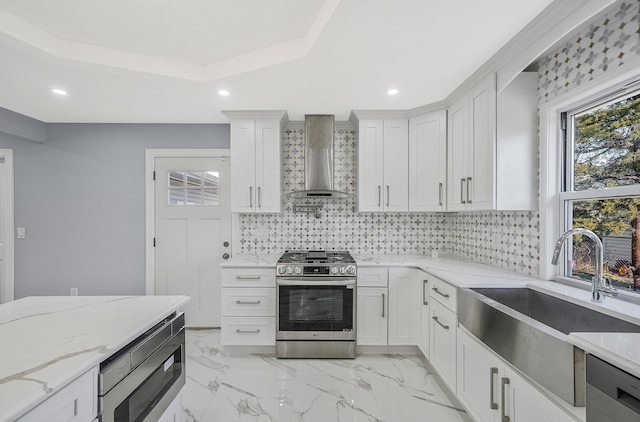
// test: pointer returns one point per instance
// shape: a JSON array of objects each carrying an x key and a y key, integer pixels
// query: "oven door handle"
[{"x": 316, "y": 282}]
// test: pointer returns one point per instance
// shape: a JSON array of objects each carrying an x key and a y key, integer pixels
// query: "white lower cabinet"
[
  {"x": 77, "y": 402},
  {"x": 492, "y": 391},
  {"x": 372, "y": 313},
  {"x": 404, "y": 310},
  {"x": 425, "y": 313},
  {"x": 174, "y": 411},
  {"x": 442, "y": 342},
  {"x": 248, "y": 307},
  {"x": 387, "y": 312}
]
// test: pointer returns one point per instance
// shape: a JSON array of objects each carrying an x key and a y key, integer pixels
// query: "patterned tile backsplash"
[{"x": 508, "y": 240}]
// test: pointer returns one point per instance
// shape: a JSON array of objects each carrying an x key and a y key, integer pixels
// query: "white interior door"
[{"x": 192, "y": 232}]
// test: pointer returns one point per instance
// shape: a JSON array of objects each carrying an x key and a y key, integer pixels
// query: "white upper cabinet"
[
  {"x": 492, "y": 147},
  {"x": 383, "y": 154},
  {"x": 255, "y": 161},
  {"x": 428, "y": 162}
]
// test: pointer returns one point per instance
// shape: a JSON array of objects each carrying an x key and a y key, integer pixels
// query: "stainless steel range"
[{"x": 316, "y": 305}]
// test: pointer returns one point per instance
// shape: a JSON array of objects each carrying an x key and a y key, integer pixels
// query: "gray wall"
[{"x": 80, "y": 195}]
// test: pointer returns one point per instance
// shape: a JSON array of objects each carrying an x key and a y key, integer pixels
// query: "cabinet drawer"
[
  {"x": 249, "y": 277},
  {"x": 249, "y": 331},
  {"x": 249, "y": 302},
  {"x": 77, "y": 402},
  {"x": 372, "y": 277},
  {"x": 444, "y": 293}
]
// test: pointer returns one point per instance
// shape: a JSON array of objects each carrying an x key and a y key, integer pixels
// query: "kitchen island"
[{"x": 48, "y": 342}]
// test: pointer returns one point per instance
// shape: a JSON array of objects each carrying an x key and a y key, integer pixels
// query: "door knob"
[{"x": 225, "y": 256}]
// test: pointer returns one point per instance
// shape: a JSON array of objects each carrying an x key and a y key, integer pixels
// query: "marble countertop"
[
  {"x": 619, "y": 349},
  {"x": 49, "y": 341}
]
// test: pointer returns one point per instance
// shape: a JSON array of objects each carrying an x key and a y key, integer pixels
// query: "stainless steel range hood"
[{"x": 318, "y": 159}]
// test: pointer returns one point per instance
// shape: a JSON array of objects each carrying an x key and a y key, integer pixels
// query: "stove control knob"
[
  {"x": 343, "y": 270},
  {"x": 334, "y": 270},
  {"x": 289, "y": 270},
  {"x": 298, "y": 270},
  {"x": 351, "y": 270},
  {"x": 281, "y": 270}
]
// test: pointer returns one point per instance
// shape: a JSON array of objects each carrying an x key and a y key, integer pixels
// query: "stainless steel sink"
[{"x": 528, "y": 328}]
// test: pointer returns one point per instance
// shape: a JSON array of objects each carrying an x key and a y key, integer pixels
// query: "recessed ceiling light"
[
  {"x": 392, "y": 91},
  {"x": 223, "y": 92},
  {"x": 58, "y": 91}
]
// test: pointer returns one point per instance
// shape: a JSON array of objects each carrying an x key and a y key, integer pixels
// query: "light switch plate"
[{"x": 21, "y": 233}]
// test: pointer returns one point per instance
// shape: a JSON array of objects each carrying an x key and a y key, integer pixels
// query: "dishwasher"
[{"x": 612, "y": 394}]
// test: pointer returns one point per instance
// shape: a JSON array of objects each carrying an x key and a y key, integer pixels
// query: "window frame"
[{"x": 553, "y": 216}]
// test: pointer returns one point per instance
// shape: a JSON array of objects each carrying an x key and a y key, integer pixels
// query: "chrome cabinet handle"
[
  {"x": 440, "y": 193},
  {"x": 239, "y": 302},
  {"x": 425, "y": 287},
  {"x": 383, "y": 305},
  {"x": 503, "y": 383},
  {"x": 462, "y": 182},
  {"x": 492, "y": 371},
  {"x": 468, "y": 190},
  {"x": 259, "y": 197},
  {"x": 250, "y": 196},
  {"x": 247, "y": 277},
  {"x": 387, "y": 195},
  {"x": 435, "y": 318},
  {"x": 435, "y": 289},
  {"x": 379, "y": 194},
  {"x": 239, "y": 331}
]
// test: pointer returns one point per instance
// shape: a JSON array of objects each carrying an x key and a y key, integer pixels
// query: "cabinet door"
[
  {"x": 524, "y": 403},
  {"x": 174, "y": 411},
  {"x": 372, "y": 310},
  {"x": 268, "y": 148},
  {"x": 396, "y": 163},
  {"x": 404, "y": 309},
  {"x": 442, "y": 342},
  {"x": 425, "y": 315},
  {"x": 428, "y": 162},
  {"x": 479, "y": 374},
  {"x": 457, "y": 156},
  {"x": 370, "y": 165},
  {"x": 482, "y": 120},
  {"x": 243, "y": 166}
]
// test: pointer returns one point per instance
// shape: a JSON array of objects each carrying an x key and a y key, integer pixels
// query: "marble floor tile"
[{"x": 261, "y": 388}]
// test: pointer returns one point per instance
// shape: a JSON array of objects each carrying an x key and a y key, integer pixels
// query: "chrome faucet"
[{"x": 598, "y": 282}]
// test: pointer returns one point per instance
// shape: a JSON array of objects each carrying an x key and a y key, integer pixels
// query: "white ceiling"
[{"x": 149, "y": 61}]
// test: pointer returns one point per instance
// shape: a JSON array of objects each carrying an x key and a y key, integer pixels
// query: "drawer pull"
[
  {"x": 492, "y": 402},
  {"x": 504, "y": 382},
  {"x": 239, "y": 302},
  {"x": 435, "y": 318},
  {"x": 247, "y": 277},
  {"x": 425, "y": 289},
  {"x": 239, "y": 331},
  {"x": 435, "y": 289}
]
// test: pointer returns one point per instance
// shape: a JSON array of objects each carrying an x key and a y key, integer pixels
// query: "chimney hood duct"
[{"x": 318, "y": 159}]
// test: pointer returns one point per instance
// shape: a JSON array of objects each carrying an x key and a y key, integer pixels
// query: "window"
[
  {"x": 193, "y": 187},
  {"x": 601, "y": 187}
]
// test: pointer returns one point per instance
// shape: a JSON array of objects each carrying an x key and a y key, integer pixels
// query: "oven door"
[
  {"x": 148, "y": 390},
  {"x": 316, "y": 310}
]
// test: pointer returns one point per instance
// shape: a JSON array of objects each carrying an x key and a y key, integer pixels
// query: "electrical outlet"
[{"x": 74, "y": 291}]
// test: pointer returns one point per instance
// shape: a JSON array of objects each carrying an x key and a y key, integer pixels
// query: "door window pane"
[{"x": 193, "y": 188}]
